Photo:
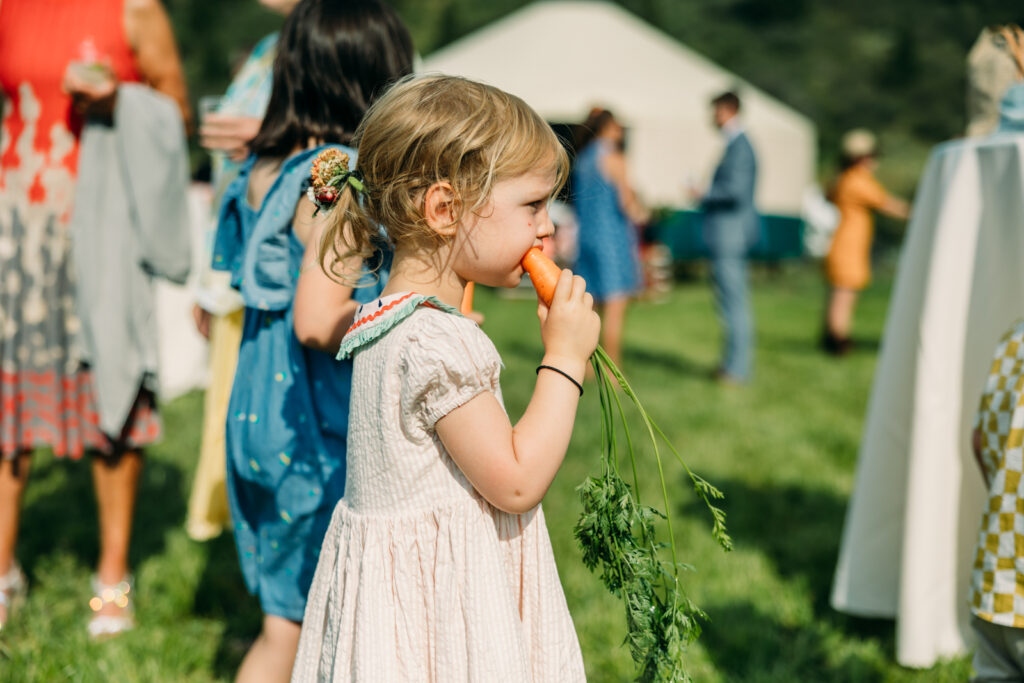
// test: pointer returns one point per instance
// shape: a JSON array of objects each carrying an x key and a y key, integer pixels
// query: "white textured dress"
[{"x": 419, "y": 578}]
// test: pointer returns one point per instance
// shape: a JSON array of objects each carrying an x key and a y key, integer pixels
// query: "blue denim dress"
[
  {"x": 288, "y": 412},
  {"x": 609, "y": 257}
]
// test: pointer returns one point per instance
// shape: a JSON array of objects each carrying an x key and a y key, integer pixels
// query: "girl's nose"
[{"x": 545, "y": 228}]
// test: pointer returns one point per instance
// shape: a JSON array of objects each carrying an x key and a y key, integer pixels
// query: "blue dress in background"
[
  {"x": 288, "y": 414},
  {"x": 608, "y": 254}
]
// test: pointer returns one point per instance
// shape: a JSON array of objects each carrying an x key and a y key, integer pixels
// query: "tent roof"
[{"x": 563, "y": 57}]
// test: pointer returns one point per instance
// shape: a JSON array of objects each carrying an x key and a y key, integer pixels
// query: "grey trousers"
[
  {"x": 729, "y": 282},
  {"x": 999, "y": 656}
]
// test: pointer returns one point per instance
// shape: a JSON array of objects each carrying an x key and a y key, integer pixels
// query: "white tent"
[{"x": 565, "y": 57}]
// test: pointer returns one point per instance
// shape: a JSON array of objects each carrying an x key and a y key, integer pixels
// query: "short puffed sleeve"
[{"x": 445, "y": 361}]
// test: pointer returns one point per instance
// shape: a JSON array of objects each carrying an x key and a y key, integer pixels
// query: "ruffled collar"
[{"x": 375, "y": 318}]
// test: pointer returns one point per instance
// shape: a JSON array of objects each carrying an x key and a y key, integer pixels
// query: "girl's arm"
[
  {"x": 323, "y": 308},
  {"x": 512, "y": 467}
]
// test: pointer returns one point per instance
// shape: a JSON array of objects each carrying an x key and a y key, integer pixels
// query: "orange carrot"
[
  {"x": 467, "y": 300},
  {"x": 543, "y": 273}
]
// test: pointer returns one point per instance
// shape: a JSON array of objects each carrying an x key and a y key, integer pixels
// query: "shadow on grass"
[
  {"x": 798, "y": 530},
  {"x": 60, "y": 514},
  {"x": 747, "y": 644},
  {"x": 670, "y": 362},
  {"x": 221, "y": 595},
  {"x": 811, "y": 344}
]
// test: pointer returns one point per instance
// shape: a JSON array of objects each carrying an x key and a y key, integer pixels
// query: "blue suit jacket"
[{"x": 731, "y": 223}]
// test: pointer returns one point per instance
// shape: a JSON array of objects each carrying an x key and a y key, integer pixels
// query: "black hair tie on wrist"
[{"x": 563, "y": 373}]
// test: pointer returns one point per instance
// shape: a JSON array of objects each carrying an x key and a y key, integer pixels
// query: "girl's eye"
[{"x": 537, "y": 205}]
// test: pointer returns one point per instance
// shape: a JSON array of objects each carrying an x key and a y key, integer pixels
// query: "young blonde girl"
[{"x": 437, "y": 564}]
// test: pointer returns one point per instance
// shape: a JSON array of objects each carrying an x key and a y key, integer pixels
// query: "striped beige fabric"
[{"x": 419, "y": 578}]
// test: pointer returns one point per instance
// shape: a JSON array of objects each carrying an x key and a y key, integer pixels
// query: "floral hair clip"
[{"x": 330, "y": 174}]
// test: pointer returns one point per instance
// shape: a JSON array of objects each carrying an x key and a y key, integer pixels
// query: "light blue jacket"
[{"x": 731, "y": 222}]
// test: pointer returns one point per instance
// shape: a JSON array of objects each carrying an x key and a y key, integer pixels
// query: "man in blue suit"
[{"x": 731, "y": 227}]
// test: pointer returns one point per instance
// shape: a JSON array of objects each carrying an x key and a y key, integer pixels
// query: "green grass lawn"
[{"x": 783, "y": 450}]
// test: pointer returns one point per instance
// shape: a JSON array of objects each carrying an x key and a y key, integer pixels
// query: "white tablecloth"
[{"x": 911, "y": 527}]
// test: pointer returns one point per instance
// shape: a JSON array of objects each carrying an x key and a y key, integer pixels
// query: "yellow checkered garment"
[{"x": 997, "y": 582}]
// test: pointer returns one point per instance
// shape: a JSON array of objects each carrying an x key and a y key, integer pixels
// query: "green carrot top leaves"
[{"x": 616, "y": 532}]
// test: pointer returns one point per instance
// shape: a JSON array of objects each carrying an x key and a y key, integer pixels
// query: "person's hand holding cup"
[
  {"x": 224, "y": 132},
  {"x": 93, "y": 89}
]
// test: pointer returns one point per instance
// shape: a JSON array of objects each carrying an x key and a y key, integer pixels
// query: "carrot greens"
[{"x": 616, "y": 533}]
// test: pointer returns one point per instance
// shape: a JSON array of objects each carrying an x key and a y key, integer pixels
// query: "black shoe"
[
  {"x": 829, "y": 342},
  {"x": 836, "y": 346}
]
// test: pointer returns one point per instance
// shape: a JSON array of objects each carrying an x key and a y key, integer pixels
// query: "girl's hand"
[{"x": 570, "y": 327}]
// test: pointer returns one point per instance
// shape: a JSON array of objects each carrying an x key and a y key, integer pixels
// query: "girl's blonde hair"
[{"x": 429, "y": 129}]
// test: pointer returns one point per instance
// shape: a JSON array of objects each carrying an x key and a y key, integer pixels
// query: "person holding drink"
[{"x": 47, "y": 396}]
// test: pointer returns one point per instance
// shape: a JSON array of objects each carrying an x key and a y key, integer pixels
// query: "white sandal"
[
  {"x": 119, "y": 594},
  {"x": 13, "y": 588}
]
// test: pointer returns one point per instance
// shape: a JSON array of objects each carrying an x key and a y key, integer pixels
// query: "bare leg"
[
  {"x": 116, "y": 481},
  {"x": 613, "y": 318},
  {"x": 840, "y": 312},
  {"x": 13, "y": 477},
  {"x": 272, "y": 656}
]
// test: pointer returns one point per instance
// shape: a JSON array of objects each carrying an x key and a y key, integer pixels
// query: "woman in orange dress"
[
  {"x": 848, "y": 264},
  {"x": 60, "y": 63}
]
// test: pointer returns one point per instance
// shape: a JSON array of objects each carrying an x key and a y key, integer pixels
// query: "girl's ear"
[{"x": 440, "y": 208}]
